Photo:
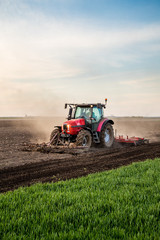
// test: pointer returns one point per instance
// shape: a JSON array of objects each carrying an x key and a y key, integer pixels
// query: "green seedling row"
[{"x": 118, "y": 204}]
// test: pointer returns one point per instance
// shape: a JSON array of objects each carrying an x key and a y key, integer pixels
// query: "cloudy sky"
[{"x": 57, "y": 51}]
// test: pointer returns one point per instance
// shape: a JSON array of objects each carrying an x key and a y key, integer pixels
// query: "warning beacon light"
[{"x": 105, "y": 101}]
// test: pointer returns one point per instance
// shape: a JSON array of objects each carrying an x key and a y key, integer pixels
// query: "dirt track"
[{"x": 21, "y": 168}]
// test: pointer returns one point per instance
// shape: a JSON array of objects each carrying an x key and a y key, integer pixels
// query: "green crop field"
[{"x": 118, "y": 204}]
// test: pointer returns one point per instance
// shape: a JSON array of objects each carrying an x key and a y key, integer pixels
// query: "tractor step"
[{"x": 96, "y": 137}]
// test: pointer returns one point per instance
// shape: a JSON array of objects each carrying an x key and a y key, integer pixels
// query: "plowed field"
[{"x": 23, "y": 168}]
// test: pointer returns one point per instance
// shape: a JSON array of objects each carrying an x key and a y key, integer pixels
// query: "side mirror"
[{"x": 65, "y": 106}]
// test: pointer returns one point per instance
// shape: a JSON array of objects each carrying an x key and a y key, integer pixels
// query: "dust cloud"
[{"x": 42, "y": 127}]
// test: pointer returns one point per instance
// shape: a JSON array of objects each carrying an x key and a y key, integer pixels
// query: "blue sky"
[{"x": 54, "y": 51}]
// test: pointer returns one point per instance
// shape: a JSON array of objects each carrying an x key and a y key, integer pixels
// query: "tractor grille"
[{"x": 65, "y": 127}]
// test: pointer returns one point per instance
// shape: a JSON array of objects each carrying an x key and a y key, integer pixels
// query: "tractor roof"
[{"x": 99, "y": 105}]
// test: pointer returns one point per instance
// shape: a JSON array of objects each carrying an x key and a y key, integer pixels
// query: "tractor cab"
[{"x": 92, "y": 113}]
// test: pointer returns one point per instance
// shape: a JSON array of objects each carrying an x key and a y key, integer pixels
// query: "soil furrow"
[
  {"x": 21, "y": 168},
  {"x": 12, "y": 178}
]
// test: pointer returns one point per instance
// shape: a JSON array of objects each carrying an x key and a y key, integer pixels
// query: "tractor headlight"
[
  {"x": 65, "y": 127},
  {"x": 68, "y": 127}
]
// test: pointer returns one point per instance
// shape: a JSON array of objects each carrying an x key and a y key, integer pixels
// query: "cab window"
[
  {"x": 97, "y": 114},
  {"x": 83, "y": 112}
]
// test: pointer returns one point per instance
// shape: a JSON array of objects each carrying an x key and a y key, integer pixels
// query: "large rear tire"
[
  {"x": 54, "y": 137},
  {"x": 84, "y": 139},
  {"x": 107, "y": 136}
]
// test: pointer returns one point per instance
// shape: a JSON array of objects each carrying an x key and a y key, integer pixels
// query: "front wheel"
[
  {"x": 54, "y": 137},
  {"x": 107, "y": 136},
  {"x": 84, "y": 139}
]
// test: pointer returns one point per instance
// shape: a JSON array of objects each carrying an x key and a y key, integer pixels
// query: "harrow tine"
[{"x": 48, "y": 144}]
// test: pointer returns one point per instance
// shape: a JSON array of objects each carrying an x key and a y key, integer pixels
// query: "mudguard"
[
  {"x": 87, "y": 128},
  {"x": 102, "y": 123},
  {"x": 59, "y": 127}
]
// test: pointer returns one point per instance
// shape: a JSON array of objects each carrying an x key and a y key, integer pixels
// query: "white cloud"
[{"x": 48, "y": 48}]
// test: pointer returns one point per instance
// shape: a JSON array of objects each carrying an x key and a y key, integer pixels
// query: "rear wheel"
[
  {"x": 84, "y": 139},
  {"x": 54, "y": 137},
  {"x": 107, "y": 136}
]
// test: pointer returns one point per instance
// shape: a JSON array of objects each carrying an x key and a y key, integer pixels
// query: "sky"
[{"x": 76, "y": 51}]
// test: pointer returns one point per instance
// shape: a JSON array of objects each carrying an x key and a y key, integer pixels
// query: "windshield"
[{"x": 83, "y": 112}]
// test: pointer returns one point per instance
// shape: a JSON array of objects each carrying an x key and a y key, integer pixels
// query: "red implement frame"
[{"x": 131, "y": 140}]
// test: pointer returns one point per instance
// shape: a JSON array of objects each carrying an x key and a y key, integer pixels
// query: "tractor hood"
[
  {"x": 73, "y": 126},
  {"x": 75, "y": 122}
]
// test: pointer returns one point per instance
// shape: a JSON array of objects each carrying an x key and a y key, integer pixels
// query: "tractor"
[{"x": 85, "y": 125}]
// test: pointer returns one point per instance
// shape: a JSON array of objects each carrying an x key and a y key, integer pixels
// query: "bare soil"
[{"x": 23, "y": 163}]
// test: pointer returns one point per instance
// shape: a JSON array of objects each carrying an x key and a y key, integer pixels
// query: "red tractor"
[{"x": 86, "y": 125}]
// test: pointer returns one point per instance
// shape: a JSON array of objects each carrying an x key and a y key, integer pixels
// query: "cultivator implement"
[{"x": 131, "y": 140}]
